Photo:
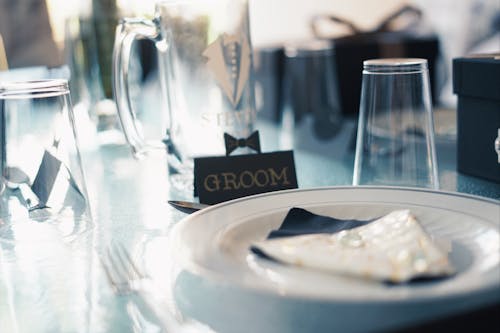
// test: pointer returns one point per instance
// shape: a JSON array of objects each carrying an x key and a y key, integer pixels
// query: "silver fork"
[
  {"x": 127, "y": 278},
  {"x": 122, "y": 272}
]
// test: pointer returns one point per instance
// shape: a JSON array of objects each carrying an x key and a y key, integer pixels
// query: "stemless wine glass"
[
  {"x": 395, "y": 142},
  {"x": 41, "y": 182}
]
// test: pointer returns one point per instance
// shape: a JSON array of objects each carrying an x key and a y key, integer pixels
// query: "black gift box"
[
  {"x": 476, "y": 81},
  {"x": 385, "y": 41},
  {"x": 268, "y": 65},
  {"x": 351, "y": 51}
]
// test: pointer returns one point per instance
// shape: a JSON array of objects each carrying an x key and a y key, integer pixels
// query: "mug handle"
[{"x": 127, "y": 31}]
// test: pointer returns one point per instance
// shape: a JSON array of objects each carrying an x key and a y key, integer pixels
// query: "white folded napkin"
[{"x": 392, "y": 248}]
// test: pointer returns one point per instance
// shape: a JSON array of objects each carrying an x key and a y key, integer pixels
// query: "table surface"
[{"x": 58, "y": 284}]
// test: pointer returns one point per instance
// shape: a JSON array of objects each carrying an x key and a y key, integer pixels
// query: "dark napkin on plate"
[{"x": 299, "y": 221}]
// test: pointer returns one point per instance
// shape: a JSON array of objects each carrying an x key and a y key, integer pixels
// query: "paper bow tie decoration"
[
  {"x": 406, "y": 18},
  {"x": 252, "y": 142}
]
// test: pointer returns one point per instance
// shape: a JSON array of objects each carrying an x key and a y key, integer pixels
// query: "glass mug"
[{"x": 205, "y": 70}]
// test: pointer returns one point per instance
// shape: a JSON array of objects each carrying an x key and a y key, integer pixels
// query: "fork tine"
[
  {"x": 126, "y": 277},
  {"x": 128, "y": 263},
  {"x": 115, "y": 266},
  {"x": 121, "y": 263},
  {"x": 109, "y": 270}
]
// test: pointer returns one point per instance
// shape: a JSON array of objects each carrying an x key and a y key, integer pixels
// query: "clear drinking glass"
[
  {"x": 41, "y": 181},
  {"x": 395, "y": 139},
  {"x": 311, "y": 114},
  {"x": 88, "y": 51}
]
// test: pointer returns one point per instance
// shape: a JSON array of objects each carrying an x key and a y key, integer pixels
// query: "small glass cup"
[
  {"x": 311, "y": 106},
  {"x": 41, "y": 181},
  {"x": 395, "y": 138}
]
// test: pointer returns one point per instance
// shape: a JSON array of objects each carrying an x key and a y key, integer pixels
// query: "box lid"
[{"x": 477, "y": 76}]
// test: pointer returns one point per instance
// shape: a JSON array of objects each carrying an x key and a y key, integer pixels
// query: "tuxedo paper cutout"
[{"x": 229, "y": 60}]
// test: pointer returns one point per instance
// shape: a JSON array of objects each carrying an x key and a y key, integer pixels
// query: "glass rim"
[
  {"x": 33, "y": 89},
  {"x": 180, "y": 2},
  {"x": 314, "y": 47},
  {"x": 395, "y": 65}
]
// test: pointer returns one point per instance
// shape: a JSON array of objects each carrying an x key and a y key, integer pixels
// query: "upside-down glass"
[
  {"x": 205, "y": 67},
  {"x": 311, "y": 109},
  {"x": 395, "y": 138},
  {"x": 41, "y": 180}
]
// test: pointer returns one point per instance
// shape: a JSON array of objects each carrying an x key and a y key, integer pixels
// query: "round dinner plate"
[{"x": 213, "y": 244}]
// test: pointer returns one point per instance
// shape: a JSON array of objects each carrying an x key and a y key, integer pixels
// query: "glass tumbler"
[
  {"x": 41, "y": 181},
  {"x": 395, "y": 139},
  {"x": 310, "y": 91}
]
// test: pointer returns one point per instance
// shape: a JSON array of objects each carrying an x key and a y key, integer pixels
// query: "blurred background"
[
  {"x": 44, "y": 33},
  {"x": 33, "y": 31}
]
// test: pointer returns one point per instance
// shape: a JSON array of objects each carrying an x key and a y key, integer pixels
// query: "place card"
[{"x": 222, "y": 178}]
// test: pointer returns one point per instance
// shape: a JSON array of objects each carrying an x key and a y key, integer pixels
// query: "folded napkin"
[
  {"x": 299, "y": 221},
  {"x": 391, "y": 248}
]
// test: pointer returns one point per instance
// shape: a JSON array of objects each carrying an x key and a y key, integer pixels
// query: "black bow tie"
[{"x": 232, "y": 143}]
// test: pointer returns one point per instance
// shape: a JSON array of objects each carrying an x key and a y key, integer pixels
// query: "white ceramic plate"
[{"x": 214, "y": 242}]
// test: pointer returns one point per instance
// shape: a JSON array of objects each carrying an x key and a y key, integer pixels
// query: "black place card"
[{"x": 223, "y": 178}]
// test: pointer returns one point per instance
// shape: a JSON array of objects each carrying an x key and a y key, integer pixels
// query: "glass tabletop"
[{"x": 59, "y": 285}]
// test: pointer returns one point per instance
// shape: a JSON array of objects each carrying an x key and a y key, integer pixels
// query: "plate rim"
[{"x": 345, "y": 187}]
